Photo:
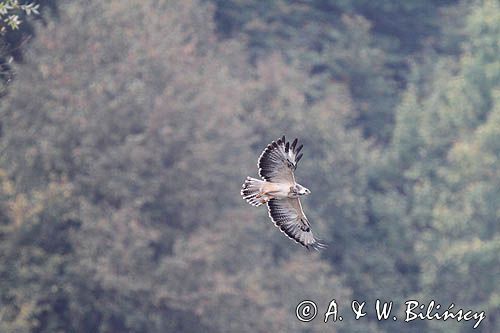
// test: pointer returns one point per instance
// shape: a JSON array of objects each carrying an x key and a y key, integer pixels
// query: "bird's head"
[{"x": 301, "y": 190}]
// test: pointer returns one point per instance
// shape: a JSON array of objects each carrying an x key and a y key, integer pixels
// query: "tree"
[
  {"x": 353, "y": 42},
  {"x": 145, "y": 130},
  {"x": 451, "y": 129}
]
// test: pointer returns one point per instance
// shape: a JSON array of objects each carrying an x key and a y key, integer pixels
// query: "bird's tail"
[{"x": 251, "y": 189}]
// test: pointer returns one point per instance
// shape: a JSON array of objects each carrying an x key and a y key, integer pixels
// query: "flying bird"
[{"x": 279, "y": 190}]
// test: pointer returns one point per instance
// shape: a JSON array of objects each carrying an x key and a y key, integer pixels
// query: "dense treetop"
[{"x": 127, "y": 128}]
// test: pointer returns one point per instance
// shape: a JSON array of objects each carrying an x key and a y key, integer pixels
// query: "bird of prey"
[{"x": 281, "y": 192}]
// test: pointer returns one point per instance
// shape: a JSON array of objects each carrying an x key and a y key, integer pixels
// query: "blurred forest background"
[{"x": 127, "y": 128}]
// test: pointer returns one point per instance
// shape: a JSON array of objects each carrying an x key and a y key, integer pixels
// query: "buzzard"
[{"x": 281, "y": 192}]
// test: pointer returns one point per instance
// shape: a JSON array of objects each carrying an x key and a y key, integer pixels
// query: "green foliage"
[
  {"x": 453, "y": 130},
  {"x": 144, "y": 140},
  {"x": 353, "y": 42},
  {"x": 9, "y": 16},
  {"x": 12, "y": 14},
  {"x": 131, "y": 125}
]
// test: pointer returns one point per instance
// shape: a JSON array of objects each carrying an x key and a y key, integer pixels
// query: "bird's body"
[
  {"x": 280, "y": 191},
  {"x": 273, "y": 190}
]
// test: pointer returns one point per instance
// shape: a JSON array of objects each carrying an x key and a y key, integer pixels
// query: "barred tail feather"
[{"x": 250, "y": 189}]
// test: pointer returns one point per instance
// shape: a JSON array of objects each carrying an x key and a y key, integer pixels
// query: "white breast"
[{"x": 283, "y": 191}]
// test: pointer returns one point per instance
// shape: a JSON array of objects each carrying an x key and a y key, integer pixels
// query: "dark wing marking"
[
  {"x": 287, "y": 215},
  {"x": 278, "y": 161}
]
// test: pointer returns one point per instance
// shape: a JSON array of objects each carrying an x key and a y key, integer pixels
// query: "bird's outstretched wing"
[
  {"x": 287, "y": 214},
  {"x": 279, "y": 160}
]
